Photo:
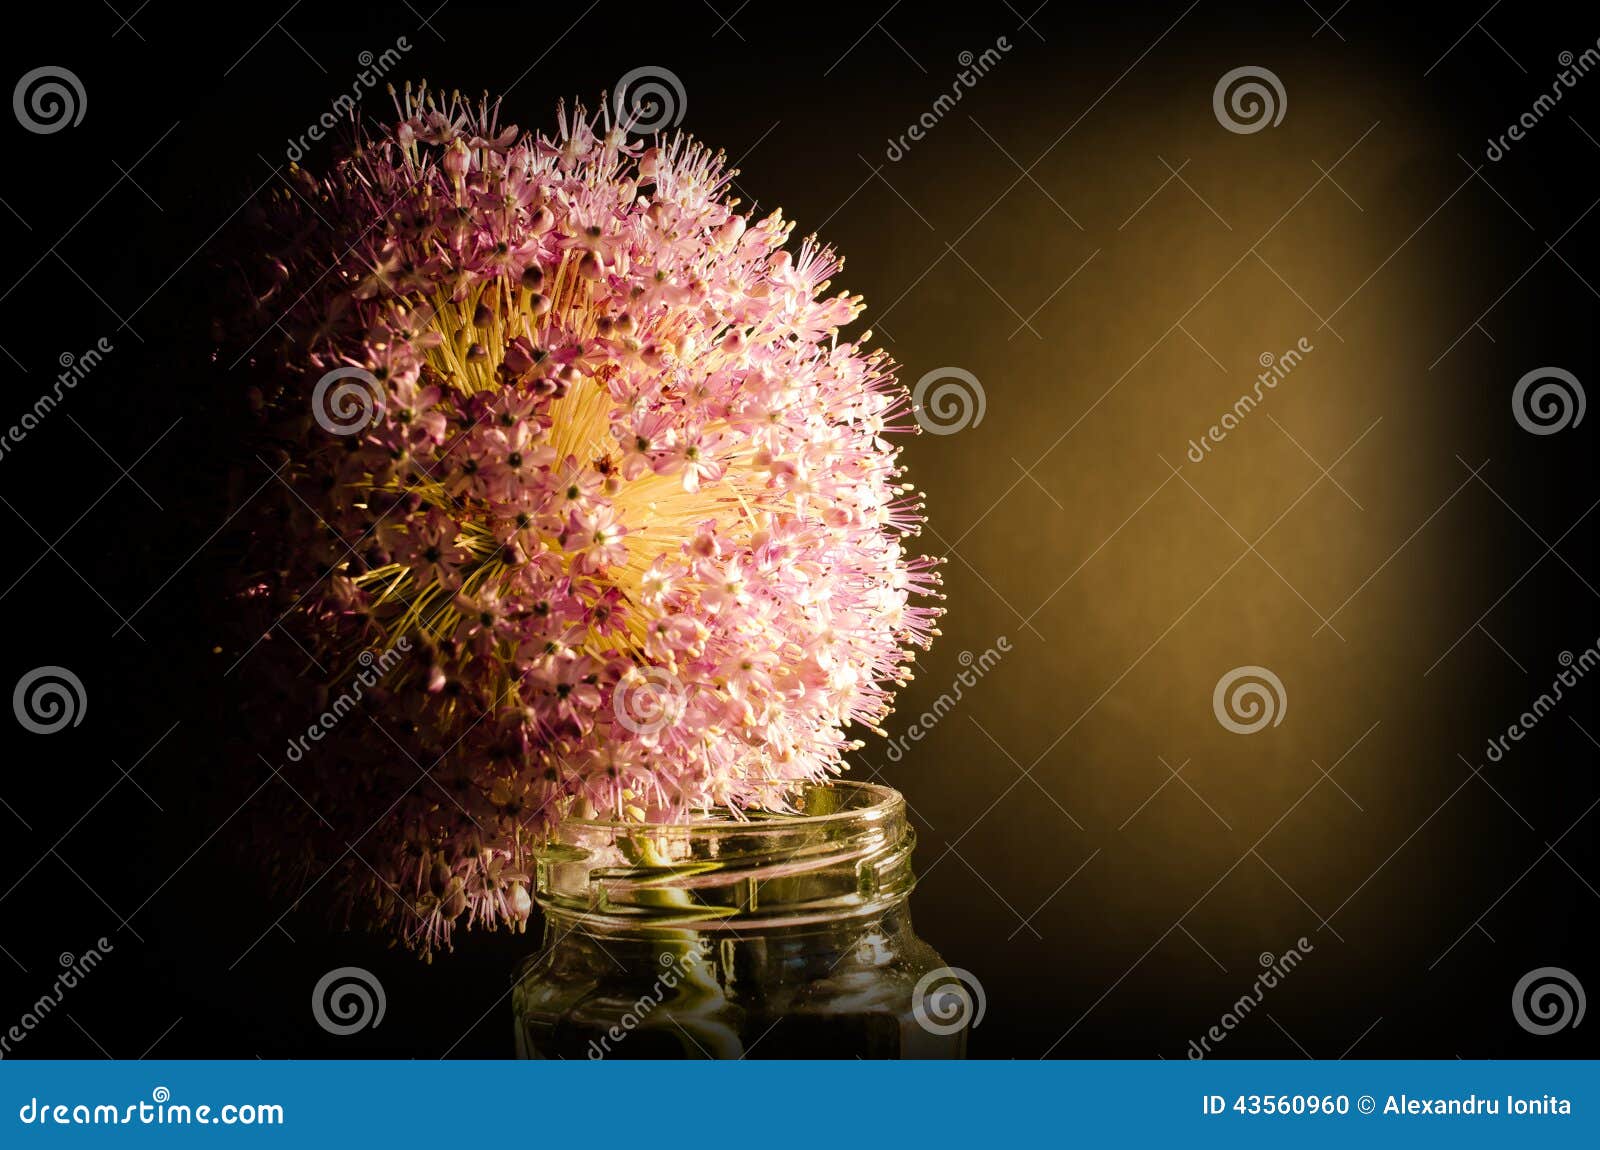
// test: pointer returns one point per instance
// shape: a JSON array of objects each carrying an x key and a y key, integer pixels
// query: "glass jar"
[{"x": 784, "y": 934}]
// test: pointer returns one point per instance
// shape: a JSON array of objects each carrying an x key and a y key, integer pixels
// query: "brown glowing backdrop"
[{"x": 1084, "y": 249}]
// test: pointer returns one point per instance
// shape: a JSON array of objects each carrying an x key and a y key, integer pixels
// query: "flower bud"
[
  {"x": 439, "y": 879},
  {"x": 519, "y": 358}
]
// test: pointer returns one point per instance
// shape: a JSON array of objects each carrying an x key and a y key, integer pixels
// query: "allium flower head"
[{"x": 585, "y": 435}]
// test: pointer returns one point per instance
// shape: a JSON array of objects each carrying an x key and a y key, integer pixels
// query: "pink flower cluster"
[{"x": 554, "y": 410}]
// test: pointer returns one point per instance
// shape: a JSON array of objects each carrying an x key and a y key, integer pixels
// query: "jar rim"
[
  {"x": 862, "y": 802},
  {"x": 850, "y": 857}
]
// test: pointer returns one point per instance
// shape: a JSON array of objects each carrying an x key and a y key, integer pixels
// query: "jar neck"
[{"x": 830, "y": 854}]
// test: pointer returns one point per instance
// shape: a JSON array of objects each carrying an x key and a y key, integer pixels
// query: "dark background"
[{"x": 1108, "y": 908}]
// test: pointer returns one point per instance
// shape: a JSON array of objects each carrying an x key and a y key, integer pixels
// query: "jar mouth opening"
[
  {"x": 796, "y": 803},
  {"x": 822, "y": 852}
]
